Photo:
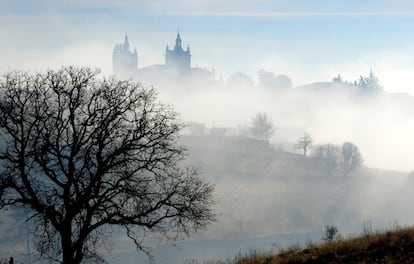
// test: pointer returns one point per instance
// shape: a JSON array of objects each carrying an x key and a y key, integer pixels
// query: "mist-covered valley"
[
  {"x": 331, "y": 111},
  {"x": 302, "y": 118},
  {"x": 266, "y": 188},
  {"x": 268, "y": 194}
]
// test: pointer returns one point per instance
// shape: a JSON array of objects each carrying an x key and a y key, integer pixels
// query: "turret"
[
  {"x": 178, "y": 42},
  {"x": 126, "y": 42}
]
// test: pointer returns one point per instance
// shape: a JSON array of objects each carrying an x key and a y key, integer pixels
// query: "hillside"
[
  {"x": 396, "y": 246},
  {"x": 267, "y": 198},
  {"x": 263, "y": 190},
  {"x": 285, "y": 192}
]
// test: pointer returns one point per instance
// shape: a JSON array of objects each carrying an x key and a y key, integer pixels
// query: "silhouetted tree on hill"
[
  {"x": 329, "y": 155},
  {"x": 331, "y": 233},
  {"x": 305, "y": 143},
  {"x": 351, "y": 158},
  {"x": 338, "y": 79},
  {"x": 346, "y": 157},
  {"x": 370, "y": 83},
  {"x": 262, "y": 127},
  {"x": 85, "y": 154}
]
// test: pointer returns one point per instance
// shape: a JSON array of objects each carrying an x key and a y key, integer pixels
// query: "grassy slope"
[
  {"x": 396, "y": 246},
  {"x": 239, "y": 158}
]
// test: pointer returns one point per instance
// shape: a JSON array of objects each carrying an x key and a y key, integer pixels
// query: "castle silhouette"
[
  {"x": 177, "y": 64},
  {"x": 177, "y": 57}
]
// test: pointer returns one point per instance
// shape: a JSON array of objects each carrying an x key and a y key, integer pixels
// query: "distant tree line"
[
  {"x": 345, "y": 158},
  {"x": 368, "y": 84},
  {"x": 334, "y": 159},
  {"x": 268, "y": 80}
]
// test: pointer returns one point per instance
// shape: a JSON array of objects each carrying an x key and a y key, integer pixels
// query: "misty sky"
[{"x": 308, "y": 40}]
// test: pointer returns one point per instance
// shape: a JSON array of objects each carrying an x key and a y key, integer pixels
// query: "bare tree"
[
  {"x": 262, "y": 127},
  {"x": 351, "y": 157},
  {"x": 305, "y": 143},
  {"x": 329, "y": 155},
  {"x": 85, "y": 154}
]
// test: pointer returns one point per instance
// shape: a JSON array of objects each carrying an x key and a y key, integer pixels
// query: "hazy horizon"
[
  {"x": 262, "y": 53},
  {"x": 308, "y": 41}
]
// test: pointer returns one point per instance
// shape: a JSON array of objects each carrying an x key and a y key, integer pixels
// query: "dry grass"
[{"x": 396, "y": 246}]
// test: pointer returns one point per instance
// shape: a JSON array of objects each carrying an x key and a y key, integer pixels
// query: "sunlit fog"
[{"x": 301, "y": 115}]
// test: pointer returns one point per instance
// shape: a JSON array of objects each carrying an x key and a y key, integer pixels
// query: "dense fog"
[
  {"x": 267, "y": 188},
  {"x": 269, "y": 195},
  {"x": 332, "y": 112}
]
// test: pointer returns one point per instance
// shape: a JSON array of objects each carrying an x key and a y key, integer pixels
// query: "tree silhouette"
[
  {"x": 351, "y": 157},
  {"x": 305, "y": 143},
  {"x": 84, "y": 154},
  {"x": 262, "y": 127},
  {"x": 370, "y": 83},
  {"x": 329, "y": 155}
]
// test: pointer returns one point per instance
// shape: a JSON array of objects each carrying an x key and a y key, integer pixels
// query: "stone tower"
[
  {"x": 124, "y": 61},
  {"x": 178, "y": 58}
]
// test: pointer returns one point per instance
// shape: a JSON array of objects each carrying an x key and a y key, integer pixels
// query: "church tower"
[
  {"x": 124, "y": 61},
  {"x": 178, "y": 58}
]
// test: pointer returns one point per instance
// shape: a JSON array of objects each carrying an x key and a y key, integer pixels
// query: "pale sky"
[{"x": 308, "y": 40}]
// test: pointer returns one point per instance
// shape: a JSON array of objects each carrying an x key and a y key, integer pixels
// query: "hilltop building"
[
  {"x": 177, "y": 65},
  {"x": 177, "y": 57},
  {"x": 124, "y": 61}
]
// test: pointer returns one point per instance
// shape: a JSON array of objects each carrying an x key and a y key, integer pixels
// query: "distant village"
[
  {"x": 177, "y": 64},
  {"x": 177, "y": 67},
  {"x": 178, "y": 70}
]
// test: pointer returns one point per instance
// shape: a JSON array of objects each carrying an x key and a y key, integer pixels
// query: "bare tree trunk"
[
  {"x": 67, "y": 252},
  {"x": 69, "y": 255}
]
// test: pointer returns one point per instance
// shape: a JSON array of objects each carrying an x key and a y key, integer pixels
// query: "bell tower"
[{"x": 178, "y": 58}]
